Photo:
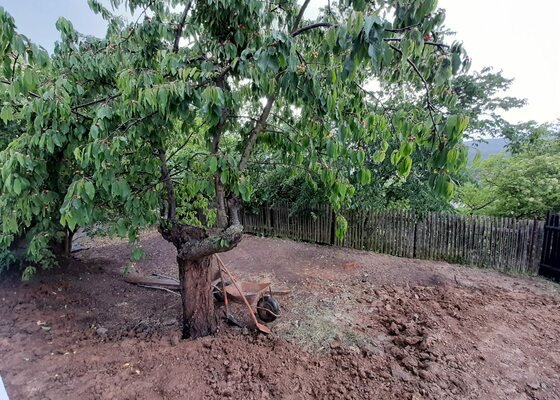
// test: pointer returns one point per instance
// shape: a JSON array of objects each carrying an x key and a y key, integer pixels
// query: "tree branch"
[
  {"x": 14, "y": 66},
  {"x": 424, "y": 81},
  {"x": 406, "y": 28},
  {"x": 127, "y": 125},
  {"x": 477, "y": 208},
  {"x": 220, "y": 243},
  {"x": 180, "y": 27},
  {"x": 171, "y": 200},
  {"x": 439, "y": 45},
  {"x": 194, "y": 243},
  {"x": 378, "y": 101},
  {"x": 186, "y": 141},
  {"x": 260, "y": 125},
  {"x": 222, "y": 217},
  {"x": 131, "y": 31},
  {"x": 35, "y": 95},
  {"x": 312, "y": 26},
  {"x": 300, "y": 16},
  {"x": 97, "y": 101}
]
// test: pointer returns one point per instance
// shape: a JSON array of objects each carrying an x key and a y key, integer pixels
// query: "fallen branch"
[
  {"x": 165, "y": 277},
  {"x": 159, "y": 288},
  {"x": 168, "y": 283}
]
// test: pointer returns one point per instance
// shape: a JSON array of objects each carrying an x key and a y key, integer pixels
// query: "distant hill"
[{"x": 486, "y": 148}]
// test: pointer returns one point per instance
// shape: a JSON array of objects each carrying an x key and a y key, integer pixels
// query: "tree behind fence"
[{"x": 505, "y": 244}]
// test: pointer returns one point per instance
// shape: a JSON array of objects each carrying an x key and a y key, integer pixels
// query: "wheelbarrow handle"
[
  {"x": 226, "y": 302},
  {"x": 259, "y": 326}
]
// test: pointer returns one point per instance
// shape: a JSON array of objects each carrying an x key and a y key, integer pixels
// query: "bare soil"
[{"x": 357, "y": 325}]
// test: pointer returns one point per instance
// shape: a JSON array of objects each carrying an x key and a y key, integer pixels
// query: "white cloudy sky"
[{"x": 519, "y": 38}]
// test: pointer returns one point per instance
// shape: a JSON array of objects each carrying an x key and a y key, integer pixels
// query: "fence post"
[
  {"x": 333, "y": 228},
  {"x": 415, "y": 237}
]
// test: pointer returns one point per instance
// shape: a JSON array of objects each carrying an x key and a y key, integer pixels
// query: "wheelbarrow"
[{"x": 258, "y": 297}]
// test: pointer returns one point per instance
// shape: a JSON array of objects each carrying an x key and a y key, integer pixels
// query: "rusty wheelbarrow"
[{"x": 258, "y": 297}]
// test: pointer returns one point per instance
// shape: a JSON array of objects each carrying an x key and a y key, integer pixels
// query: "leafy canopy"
[{"x": 159, "y": 120}]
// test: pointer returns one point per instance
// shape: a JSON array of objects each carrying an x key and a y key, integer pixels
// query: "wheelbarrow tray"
[{"x": 251, "y": 290}]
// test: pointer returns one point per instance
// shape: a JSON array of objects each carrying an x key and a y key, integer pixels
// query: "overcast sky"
[{"x": 522, "y": 40}]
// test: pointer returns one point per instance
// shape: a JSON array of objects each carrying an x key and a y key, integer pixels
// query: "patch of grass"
[
  {"x": 317, "y": 326},
  {"x": 357, "y": 339}
]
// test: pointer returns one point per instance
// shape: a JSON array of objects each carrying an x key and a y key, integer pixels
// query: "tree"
[
  {"x": 532, "y": 136},
  {"x": 524, "y": 185},
  {"x": 157, "y": 122},
  {"x": 479, "y": 96}
]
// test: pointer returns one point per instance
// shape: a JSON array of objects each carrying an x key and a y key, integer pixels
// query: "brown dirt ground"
[{"x": 357, "y": 325}]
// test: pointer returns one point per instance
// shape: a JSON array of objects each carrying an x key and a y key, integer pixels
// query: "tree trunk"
[
  {"x": 197, "y": 301},
  {"x": 68, "y": 242}
]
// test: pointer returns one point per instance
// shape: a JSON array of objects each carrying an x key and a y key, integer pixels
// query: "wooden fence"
[
  {"x": 312, "y": 226},
  {"x": 505, "y": 244},
  {"x": 550, "y": 263}
]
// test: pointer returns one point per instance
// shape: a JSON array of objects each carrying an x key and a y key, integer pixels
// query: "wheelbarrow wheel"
[
  {"x": 218, "y": 291},
  {"x": 268, "y": 308}
]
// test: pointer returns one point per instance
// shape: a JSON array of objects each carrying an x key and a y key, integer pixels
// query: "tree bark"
[
  {"x": 221, "y": 213},
  {"x": 68, "y": 242},
  {"x": 199, "y": 319}
]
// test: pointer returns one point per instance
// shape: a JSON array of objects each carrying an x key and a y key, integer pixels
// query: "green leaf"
[
  {"x": 341, "y": 227},
  {"x": 332, "y": 149},
  {"x": 70, "y": 221},
  {"x": 121, "y": 228},
  {"x": 17, "y": 186},
  {"x": 90, "y": 190},
  {"x": 365, "y": 176},
  {"x": 245, "y": 191},
  {"x": 94, "y": 131},
  {"x": 78, "y": 154},
  {"x": 444, "y": 72},
  {"x": 455, "y": 63},
  {"x": 452, "y": 156},
  {"x": 395, "y": 157},
  {"x": 379, "y": 156},
  {"x": 406, "y": 148},
  {"x": 407, "y": 47},
  {"x": 50, "y": 144},
  {"x": 137, "y": 254},
  {"x": 104, "y": 112},
  {"x": 212, "y": 164},
  {"x": 341, "y": 189},
  {"x": 57, "y": 139},
  {"x": 28, "y": 273},
  {"x": 120, "y": 188},
  {"x": 404, "y": 166},
  {"x": 224, "y": 176},
  {"x": 450, "y": 188},
  {"x": 7, "y": 114},
  {"x": 360, "y": 156},
  {"x": 28, "y": 78},
  {"x": 331, "y": 38}
]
